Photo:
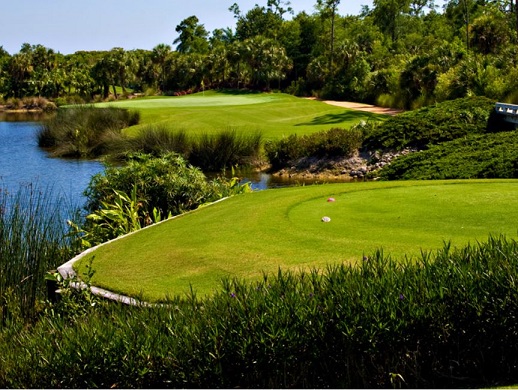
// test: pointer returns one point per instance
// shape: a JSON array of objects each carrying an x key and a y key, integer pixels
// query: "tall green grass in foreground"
[
  {"x": 447, "y": 320},
  {"x": 32, "y": 242}
]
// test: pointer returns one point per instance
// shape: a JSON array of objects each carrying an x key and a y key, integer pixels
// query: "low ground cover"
[
  {"x": 474, "y": 156},
  {"x": 249, "y": 234},
  {"x": 432, "y": 125},
  {"x": 274, "y": 115}
]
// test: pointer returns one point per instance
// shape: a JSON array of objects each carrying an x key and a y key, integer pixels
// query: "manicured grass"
[
  {"x": 249, "y": 234},
  {"x": 273, "y": 114}
]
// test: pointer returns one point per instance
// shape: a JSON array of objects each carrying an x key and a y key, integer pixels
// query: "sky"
[{"x": 67, "y": 26}]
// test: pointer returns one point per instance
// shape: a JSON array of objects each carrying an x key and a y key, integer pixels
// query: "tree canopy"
[{"x": 402, "y": 53}]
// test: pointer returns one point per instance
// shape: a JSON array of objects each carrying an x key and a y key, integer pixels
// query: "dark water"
[{"x": 22, "y": 163}]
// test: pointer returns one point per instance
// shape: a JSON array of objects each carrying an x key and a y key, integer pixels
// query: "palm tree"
[{"x": 159, "y": 59}]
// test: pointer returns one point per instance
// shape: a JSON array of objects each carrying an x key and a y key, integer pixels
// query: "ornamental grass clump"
[
  {"x": 214, "y": 152},
  {"x": 445, "y": 319},
  {"x": 84, "y": 131},
  {"x": 335, "y": 142}
]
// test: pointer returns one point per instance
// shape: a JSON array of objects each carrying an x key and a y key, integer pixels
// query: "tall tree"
[
  {"x": 257, "y": 21},
  {"x": 328, "y": 10},
  {"x": 192, "y": 36},
  {"x": 266, "y": 59},
  {"x": 280, "y": 7},
  {"x": 387, "y": 15},
  {"x": 159, "y": 59}
]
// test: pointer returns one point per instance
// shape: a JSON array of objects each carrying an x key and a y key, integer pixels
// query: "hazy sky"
[{"x": 71, "y": 25}]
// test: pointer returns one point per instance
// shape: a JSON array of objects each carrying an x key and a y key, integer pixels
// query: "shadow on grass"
[
  {"x": 229, "y": 91},
  {"x": 337, "y": 118}
]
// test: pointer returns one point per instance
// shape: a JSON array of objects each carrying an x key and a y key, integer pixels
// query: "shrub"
[
  {"x": 167, "y": 183},
  {"x": 331, "y": 143},
  {"x": 475, "y": 156},
  {"x": 14, "y": 104},
  {"x": 145, "y": 190},
  {"x": 442, "y": 122},
  {"x": 214, "y": 152}
]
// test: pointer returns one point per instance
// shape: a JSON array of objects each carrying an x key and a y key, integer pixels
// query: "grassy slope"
[
  {"x": 274, "y": 115},
  {"x": 248, "y": 234}
]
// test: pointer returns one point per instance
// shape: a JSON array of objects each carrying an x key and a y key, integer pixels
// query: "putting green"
[
  {"x": 208, "y": 99},
  {"x": 248, "y": 234},
  {"x": 274, "y": 115}
]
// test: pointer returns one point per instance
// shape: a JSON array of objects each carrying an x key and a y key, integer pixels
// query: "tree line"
[{"x": 401, "y": 53}]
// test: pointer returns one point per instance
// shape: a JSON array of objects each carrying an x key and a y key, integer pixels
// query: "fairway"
[
  {"x": 274, "y": 115},
  {"x": 249, "y": 234}
]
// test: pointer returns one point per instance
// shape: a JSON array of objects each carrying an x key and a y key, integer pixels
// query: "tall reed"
[
  {"x": 158, "y": 140},
  {"x": 209, "y": 152},
  {"x": 32, "y": 242}
]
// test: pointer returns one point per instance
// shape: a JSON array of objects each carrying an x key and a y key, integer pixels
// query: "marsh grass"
[
  {"x": 84, "y": 131},
  {"x": 158, "y": 140},
  {"x": 32, "y": 242},
  {"x": 211, "y": 152}
]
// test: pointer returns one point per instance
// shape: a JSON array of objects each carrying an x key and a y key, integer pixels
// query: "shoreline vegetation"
[{"x": 348, "y": 153}]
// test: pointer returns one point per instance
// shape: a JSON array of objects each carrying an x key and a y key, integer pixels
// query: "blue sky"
[{"x": 71, "y": 25}]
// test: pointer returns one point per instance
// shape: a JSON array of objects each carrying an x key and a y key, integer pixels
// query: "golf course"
[
  {"x": 274, "y": 115},
  {"x": 251, "y": 234}
]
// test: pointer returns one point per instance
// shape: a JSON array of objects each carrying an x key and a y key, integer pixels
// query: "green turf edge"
[{"x": 152, "y": 279}]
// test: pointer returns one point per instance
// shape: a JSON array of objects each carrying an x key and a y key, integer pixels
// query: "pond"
[{"x": 22, "y": 163}]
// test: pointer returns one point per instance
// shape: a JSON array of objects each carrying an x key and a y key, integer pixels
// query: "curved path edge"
[{"x": 67, "y": 270}]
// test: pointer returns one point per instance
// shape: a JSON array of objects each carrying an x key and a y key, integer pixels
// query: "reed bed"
[{"x": 32, "y": 242}]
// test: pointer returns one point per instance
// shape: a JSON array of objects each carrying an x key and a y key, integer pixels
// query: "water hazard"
[{"x": 23, "y": 163}]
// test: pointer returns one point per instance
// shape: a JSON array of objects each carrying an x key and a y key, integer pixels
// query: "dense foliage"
[
  {"x": 209, "y": 152},
  {"x": 145, "y": 190},
  {"x": 431, "y": 125},
  {"x": 446, "y": 320},
  {"x": 474, "y": 156},
  {"x": 459, "y": 139},
  {"x": 331, "y": 143},
  {"x": 32, "y": 242},
  {"x": 403, "y": 53}
]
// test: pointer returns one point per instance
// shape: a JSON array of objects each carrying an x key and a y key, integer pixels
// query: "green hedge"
[
  {"x": 441, "y": 122},
  {"x": 476, "y": 156},
  {"x": 447, "y": 319}
]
